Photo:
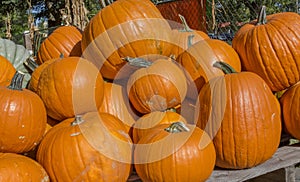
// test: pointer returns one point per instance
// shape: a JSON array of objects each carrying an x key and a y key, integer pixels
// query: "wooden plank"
[{"x": 284, "y": 157}]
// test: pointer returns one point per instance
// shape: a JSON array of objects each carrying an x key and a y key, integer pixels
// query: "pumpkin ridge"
[{"x": 56, "y": 42}]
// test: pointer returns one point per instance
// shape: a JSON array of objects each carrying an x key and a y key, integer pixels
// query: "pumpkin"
[
  {"x": 290, "y": 110},
  {"x": 36, "y": 73},
  {"x": 160, "y": 86},
  {"x": 91, "y": 147},
  {"x": 7, "y": 71},
  {"x": 178, "y": 152},
  {"x": 23, "y": 117},
  {"x": 70, "y": 86},
  {"x": 116, "y": 102},
  {"x": 241, "y": 114},
  {"x": 269, "y": 47},
  {"x": 186, "y": 37},
  {"x": 18, "y": 168},
  {"x": 152, "y": 119},
  {"x": 125, "y": 28},
  {"x": 64, "y": 40},
  {"x": 16, "y": 54},
  {"x": 198, "y": 60}
]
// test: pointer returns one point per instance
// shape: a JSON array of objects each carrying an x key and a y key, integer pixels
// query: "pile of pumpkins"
[{"x": 130, "y": 93}]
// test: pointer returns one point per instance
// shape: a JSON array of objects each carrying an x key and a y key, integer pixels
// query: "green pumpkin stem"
[
  {"x": 177, "y": 127},
  {"x": 78, "y": 119},
  {"x": 30, "y": 64},
  {"x": 262, "y": 16},
  {"x": 186, "y": 27},
  {"x": 226, "y": 68},
  {"x": 138, "y": 62},
  {"x": 17, "y": 81}
]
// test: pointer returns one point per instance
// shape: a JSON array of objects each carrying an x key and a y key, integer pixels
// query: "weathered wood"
[{"x": 284, "y": 157}]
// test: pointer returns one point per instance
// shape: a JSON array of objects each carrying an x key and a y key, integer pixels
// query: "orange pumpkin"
[
  {"x": 241, "y": 114},
  {"x": 198, "y": 60},
  {"x": 64, "y": 40},
  {"x": 152, "y": 119},
  {"x": 125, "y": 28},
  {"x": 36, "y": 73},
  {"x": 96, "y": 145},
  {"x": 290, "y": 110},
  {"x": 158, "y": 87},
  {"x": 23, "y": 117},
  {"x": 269, "y": 47},
  {"x": 7, "y": 71},
  {"x": 178, "y": 152},
  {"x": 16, "y": 167},
  {"x": 70, "y": 86}
]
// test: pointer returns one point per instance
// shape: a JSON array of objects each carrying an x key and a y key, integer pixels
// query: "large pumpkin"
[
  {"x": 64, "y": 40},
  {"x": 241, "y": 114},
  {"x": 18, "y": 168},
  {"x": 269, "y": 47},
  {"x": 23, "y": 117},
  {"x": 125, "y": 28},
  {"x": 70, "y": 86},
  {"x": 7, "y": 71},
  {"x": 16, "y": 54},
  {"x": 198, "y": 60},
  {"x": 160, "y": 86},
  {"x": 91, "y": 147},
  {"x": 177, "y": 152},
  {"x": 290, "y": 110}
]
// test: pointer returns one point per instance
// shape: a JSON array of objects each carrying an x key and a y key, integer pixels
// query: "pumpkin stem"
[
  {"x": 78, "y": 119},
  {"x": 225, "y": 67},
  {"x": 138, "y": 62},
  {"x": 177, "y": 127},
  {"x": 31, "y": 64},
  {"x": 186, "y": 27},
  {"x": 17, "y": 80},
  {"x": 262, "y": 16}
]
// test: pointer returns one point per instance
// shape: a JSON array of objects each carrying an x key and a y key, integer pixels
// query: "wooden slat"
[{"x": 284, "y": 157}]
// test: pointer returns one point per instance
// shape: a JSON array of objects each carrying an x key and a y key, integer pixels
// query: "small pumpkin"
[
  {"x": 160, "y": 86},
  {"x": 64, "y": 40},
  {"x": 242, "y": 115},
  {"x": 70, "y": 86},
  {"x": 178, "y": 152},
  {"x": 152, "y": 119},
  {"x": 23, "y": 117},
  {"x": 95, "y": 144},
  {"x": 16, "y": 54},
  {"x": 18, "y": 168},
  {"x": 290, "y": 110},
  {"x": 7, "y": 71},
  {"x": 198, "y": 60},
  {"x": 125, "y": 28},
  {"x": 269, "y": 47}
]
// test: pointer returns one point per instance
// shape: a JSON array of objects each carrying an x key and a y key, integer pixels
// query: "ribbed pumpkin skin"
[
  {"x": 22, "y": 120},
  {"x": 18, "y": 168},
  {"x": 64, "y": 40},
  {"x": 68, "y": 152},
  {"x": 290, "y": 110},
  {"x": 157, "y": 87},
  {"x": 152, "y": 119},
  {"x": 184, "y": 156},
  {"x": 271, "y": 50},
  {"x": 125, "y": 28},
  {"x": 35, "y": 76},
  {"x": 198, "y": 62},
  {"x": 7, "y": 71},
  {"x": 115, "y": 102},
  {"x": 70, "y": 86},
  {"x": 245, "y": 121}
]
